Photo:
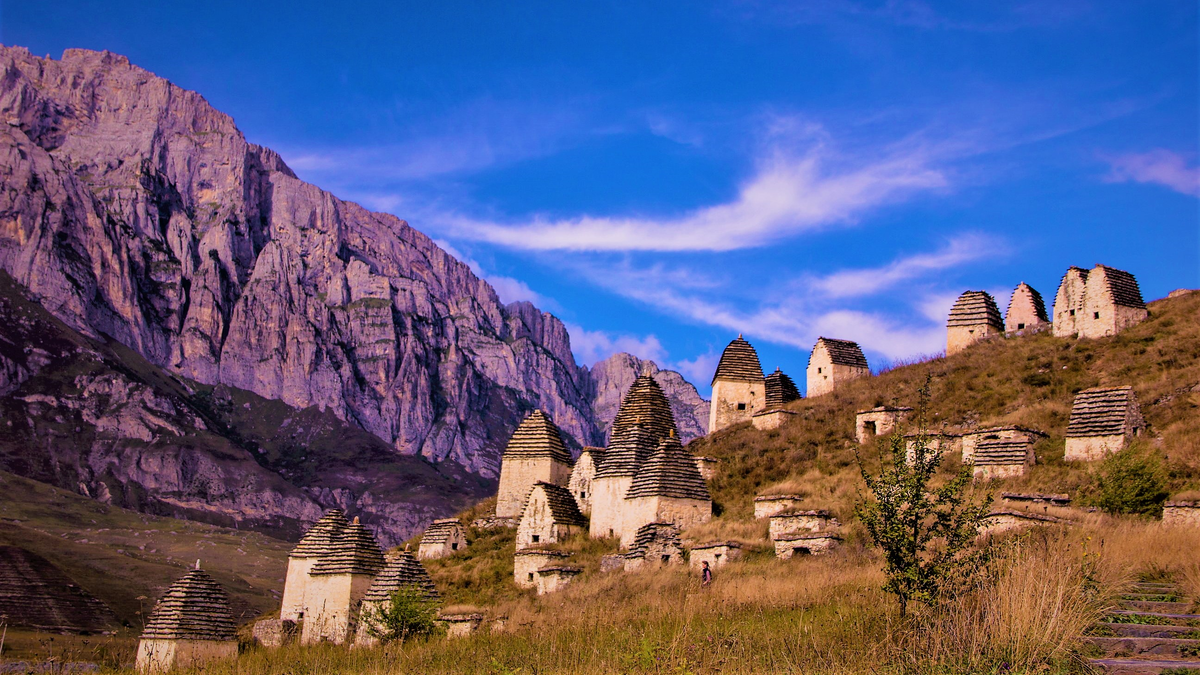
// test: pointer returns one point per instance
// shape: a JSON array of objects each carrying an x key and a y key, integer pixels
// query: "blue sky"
[{"x": 663, "y": 176}]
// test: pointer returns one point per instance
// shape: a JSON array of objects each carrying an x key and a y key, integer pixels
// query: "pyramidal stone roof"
[
  {"x": 842, "y": 352},
  {"x": 440, "y": 531},
  {"x": 1026, "y": 293},
  {"x": 645, "y": 403},
  {"x": 317, "y": 541},
  {"x": 401, "y": 570},
  {"x": 628, "y": 451},
  {"x": 1102, "y": 412},
  {"x": 194, "y": 608},
  {"x": 1123, "y": 286},
  {"x": 352, "y": 551},
  {"x": 780, "y": 389},
  {"x": 537, "y": 437},
  {"x": 670, "y": 472},
  {"x": 564, "y": 510},
  {"x": 975, "y": 308},
  {"x": 739, "y": 361}
]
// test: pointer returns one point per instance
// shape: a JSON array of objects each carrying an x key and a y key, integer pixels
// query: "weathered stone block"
[{"x": 274, "y": 633}]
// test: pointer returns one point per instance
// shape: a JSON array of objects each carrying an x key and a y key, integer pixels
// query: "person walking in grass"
[{"x": 705, "y": 574}]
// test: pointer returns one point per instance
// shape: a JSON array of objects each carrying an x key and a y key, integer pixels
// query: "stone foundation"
[
  {"x": 998, "y": 522},
  {"x": 1182, "y": 513},
  {"x": 793, "y": 545},
  {"x": 802, "y": 522},
  {"x": 877, "y": 422},
  {"x": 771, "y": 419},
  {"x": 160, "y": 656}
]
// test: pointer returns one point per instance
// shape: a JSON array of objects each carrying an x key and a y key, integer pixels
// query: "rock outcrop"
[{"x": 608, "y": 381}]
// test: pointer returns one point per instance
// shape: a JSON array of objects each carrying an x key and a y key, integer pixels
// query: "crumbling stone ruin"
[
  {"x": 1026, "y": 312},
  {"x": 527, "y": 562},
  {"x": 715, "y": 553},
  {"x": 1001, "y": 521},
  {"x": 460, "y": 624},
  {"x": 400, "y": 571},
  {"x": 1098, "y": 302},
  {"x": 974, "y": 317},
  {"x": 766, "y": 506},
  {"x": 1103, "y": 421},
  {"x": 190, "y": 626},
  {"x": 336, "y": 584},
  {"x": 878, "y": 421},
  {"x": 780, "y": 390},
  {"x": 1037, "y": 498},
  {"x": 555, "y": 578},
  {"x": 534, "y": 453},
  {"x": 817, "y": 543},
  {"x": 971, "y": 441},
  {"x": 654, "y": 544},
  {"x": 937, "y": 442},
  {"x": 833, "y": 362},
  {"x": 802, "y": 522},
  {"x": 738, "y": 387},
  {"x": 442, "y": 538},
  {"x": 582, "y": 475},
  {"x": 551, "y": 515},
  {"x": 1182, "y": 512},
  {"x": 707, "y": 466}
]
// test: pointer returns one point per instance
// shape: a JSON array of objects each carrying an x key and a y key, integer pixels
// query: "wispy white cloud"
[
  {"x": 859, "y": 282},
  {"x": 592, "y": 346},
  {"x": 699, "y": 371},
  {"x": 1159, "y": 166}
]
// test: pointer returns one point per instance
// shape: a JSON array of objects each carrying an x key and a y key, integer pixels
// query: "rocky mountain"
[
  {"x": 608, "y": 380},
  {"x": 321, "y": 353}
]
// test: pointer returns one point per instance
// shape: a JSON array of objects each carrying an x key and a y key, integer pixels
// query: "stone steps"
[
  {"x": 1158, "y": 607},
  {"x": 1153, "y": 645},
  {"x": 1146, "y": 630},
  {"x": 1144, "y": 666}
]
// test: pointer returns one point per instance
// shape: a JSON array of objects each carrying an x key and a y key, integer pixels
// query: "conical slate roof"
[
  {"x": 193, "y": 608},
  {"x": 1026, "y": 297},
  {"x": 739, "y": 361},
  {"x": 645, "y": 403},
  {"x": 975, "y": 308},
  {"x": 401, "y": 570},
  {"x": 669, "y": 472},
  {"x": 628, "y": 451},
  {"x": 1103, "y": 411},
  {"x": 564, "y": 510},
  {"x": 352, "y": 551},
  {"x": 842, "y": 352},
  {"x": 440, "y": 531},
  {"x": 316, "y": 542},
  {"x": 1123, "y": 286},
  {"x": 780, "y": 389},
  {"x": 538, "y": 437}
]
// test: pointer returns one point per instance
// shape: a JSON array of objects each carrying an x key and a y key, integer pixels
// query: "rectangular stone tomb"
[
  {"x": 998, "y": 522},
  {"x": 1103, "y": 420},
  {"x": 1182, "y": 513},
  {"x": 716, "y": 554},
  {"x": 970, "y": 441},
  {"x": 273, "y": 633},
  {"x": 555, "y": 578},
  {"x": 771, "y": 419},
  {"x": 526, "y": 564},
  {"x": 461, "y": 624},
  {"x": 792, "y": 545},
  {"x": 879, "y": 421},
  {"x": 802, "y": 522},
  {"x": 1002, "y": 458},
  {"x": 766, "y": 506}
]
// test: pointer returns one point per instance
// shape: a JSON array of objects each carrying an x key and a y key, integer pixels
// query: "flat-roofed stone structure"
[
  {"x": 667, "y": 489},
  {"x": 707, "y": 466},
  {"x": 654, "y": 544},
  {"x": 801, "y": 522},
  {"x": 190, "y": 626},
  {"x": 443, "y": 537},
  {"x": 315, "y": 543},
  {"x": 555, "y": 578},
  {"x": 1182, "y": 512},
  {"x": 974, "y": 317},
  {"x": 460, "y": 624},
  {"x": 1036, "y": 498},
  {"x": 878, "y": 421},
  {"x": 1026, "y": 312},
  {"x": 791, "y": 545},
  {"x": 766, "y": 420},
  {"x": 970, "y": 441},
  {"x": 1103, "y": 421},
  {"x": 715, "y": 553},
  {"x": 338, "y": 582},
  {"x": 582, "y": 475},
  {"x": 1098, "y": 302},
  {"x": 766, "y": 506},
  {"x": 527, "y": 562},
  {"x": 534, "y": 453},
  {"x": 833, "y": 362},
  {"x": 1001, "y": 521},
  {"x": 738, "y": 387},
  {"x": 551, "y": 515},
  {"x": 401, "y": 571},
  {"x": 1002, "y": 458}
]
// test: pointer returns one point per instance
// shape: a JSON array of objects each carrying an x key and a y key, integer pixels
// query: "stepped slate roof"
[
  {"x": 739, "y": 361},
  {"x": 841, "y": 352},
  {"x": 645, "y": 402},
  {"x": 316, "y": 542},
  {"x": 670, "y": 472},
  {"x": 664, "y": 533},
  {"x": 401, "y": 570},
  {"x": 564, "y": 510},
  {"x": 1001, "y": 452},
  {"x": 194, "y": 608},
  {"x": 353, "y": 551},
  {"x": 975, "y": 308},
  {"x": 1123, "y": 286},
  {"x": 1039, "y": 305},
  {"x": 537, "y": 437},
  {"x": 627, "y": 452},
  {"x": 440, "y": 531},
  {"x": 1102, "y": 412},
  {"x": 34, "y": 593},
  {"x": 780, "y": 389}
]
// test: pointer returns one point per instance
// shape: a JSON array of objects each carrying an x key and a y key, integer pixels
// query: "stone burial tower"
[
  {"x": 190, "y": 626},
  {"x": 535, "y": 453},
  {"x": 401, "y": 571},
  {"x": 974, "y": 317},
  {"x": 1026, "y": 312},
  {"x": 1098, "y": 302},
  {"x": 832, "y": 362},
  {"x": 738, "y": 390},
  {"x": 314, "y": 544},
  {"x": 337, "y": 583}
]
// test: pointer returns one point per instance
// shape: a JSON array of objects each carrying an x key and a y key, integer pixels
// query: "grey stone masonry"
[
  {"x": 537, "y": 437},
  {"x": 780, "y": 390},
  {"x": 974, "y": 317},
  {"x": 669, "y": 472},
  {"x": 194, "y": 608}
]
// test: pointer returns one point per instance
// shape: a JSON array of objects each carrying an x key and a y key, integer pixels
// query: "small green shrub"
[
  {"x": 407, "y": 613},
  {"x": 1131, "y": 482}
]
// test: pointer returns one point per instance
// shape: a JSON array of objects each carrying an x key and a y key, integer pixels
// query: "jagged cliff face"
[
  {"x": 134, "y": 209},
  {"x": 609, "y": 380}
]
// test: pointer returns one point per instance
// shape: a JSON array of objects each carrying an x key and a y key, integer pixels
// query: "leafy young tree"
[
  {"x": 927, "y": 532},
  {"x": 1131, "y": 481},
  {"x": 407, "y": 613}
]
